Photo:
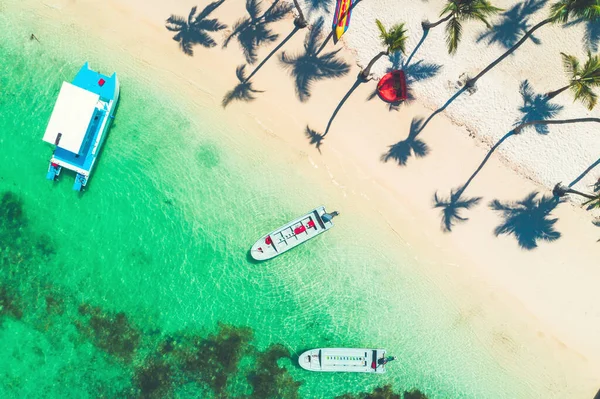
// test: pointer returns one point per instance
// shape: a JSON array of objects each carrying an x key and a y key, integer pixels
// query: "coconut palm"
[
  {"x": 393, "y": 40},
  {"x": 561, "y": 12},
  {"x": 581, "y": 79},
  {"x": 455, "y": 12},
  {"x": 523, "y": 125},
  {"x": 593, "y": 200},
  {"x": 195, "y": 29}
]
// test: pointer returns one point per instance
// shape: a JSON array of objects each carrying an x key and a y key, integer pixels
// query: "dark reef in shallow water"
[
  {"x": 385, "y": 392},
  {"x": 10, "y": 304},
  {"x": 268, "y": 380},
  {"x": 111, "y": 333}
]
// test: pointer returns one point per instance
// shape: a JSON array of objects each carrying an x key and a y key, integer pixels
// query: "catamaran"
[
  {"x": 79, "y": 123},
  {"x": 293, "y": 234},
  {"x": 353, "y": 360}
]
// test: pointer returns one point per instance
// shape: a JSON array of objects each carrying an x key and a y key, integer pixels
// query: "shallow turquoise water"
[{"x": 105, "y": 291}]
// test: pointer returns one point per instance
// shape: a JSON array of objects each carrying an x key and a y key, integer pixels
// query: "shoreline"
[{"x": 351, "y": 166}]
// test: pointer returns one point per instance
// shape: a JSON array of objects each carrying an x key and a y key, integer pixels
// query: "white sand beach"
[{"x": 539, "y": 304}]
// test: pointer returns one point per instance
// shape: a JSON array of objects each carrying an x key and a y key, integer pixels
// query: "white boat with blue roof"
[{"x": 80, "y": 122}]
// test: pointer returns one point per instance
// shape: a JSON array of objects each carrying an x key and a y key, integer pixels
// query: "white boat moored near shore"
[
  {"x": 293, "y": 234},
  {"x": 352, "y": 360}
]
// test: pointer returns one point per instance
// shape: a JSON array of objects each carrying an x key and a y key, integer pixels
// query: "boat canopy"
[{"x": 71, "y": 117}]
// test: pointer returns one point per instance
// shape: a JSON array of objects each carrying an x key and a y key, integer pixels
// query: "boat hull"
[
  {"x": 291, "y": 235},
  {"x": 349, "y": 360}
]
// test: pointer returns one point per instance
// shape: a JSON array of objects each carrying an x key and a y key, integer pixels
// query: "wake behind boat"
[
  {"x": 293, "y": 234},
  {"x": 353, "y": 360}
]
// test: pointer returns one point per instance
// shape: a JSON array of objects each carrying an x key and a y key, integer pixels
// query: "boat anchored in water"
[
  {"x": 293, "y": 234},
  {"x": 352, "y": 360},
  {"x": 79, "y": 123}
]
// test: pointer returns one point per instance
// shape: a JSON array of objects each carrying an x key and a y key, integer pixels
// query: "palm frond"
[
  {"x": 382, "y": 31},
  {"x": 450, "y": 7},
  {"x": 590, "y": 73},
  {"x": 584, "y": 93},
  {"x": 397, "y": 37},
  {"x": 453, "y": 35},
  {"x": 571, "y": 65},
  {"x": 563, "y": 10}
]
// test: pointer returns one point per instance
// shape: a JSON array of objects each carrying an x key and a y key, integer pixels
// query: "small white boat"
[
  {"x": 352, "y": 360},
  {"x": 292, "y": 234}
]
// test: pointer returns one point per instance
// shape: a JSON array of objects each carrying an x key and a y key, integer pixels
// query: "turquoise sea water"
[{"x": 142, "y": 287}]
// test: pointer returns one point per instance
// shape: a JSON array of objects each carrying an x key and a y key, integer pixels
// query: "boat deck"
[{"x": 84, "y": 162}]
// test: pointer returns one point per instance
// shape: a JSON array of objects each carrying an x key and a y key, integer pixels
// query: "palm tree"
[
  {"x": 523, "y": 125},
  {"x": 194, "y": 29},
  {"x": 393, "y": 40},
  {"x": 457, "y": 11},
  {"x": 560, "y": 12},
  {"x": 581, "y": 79},
  {"x": 593, "y": 200},
  {"x": 251, "y": 32}
]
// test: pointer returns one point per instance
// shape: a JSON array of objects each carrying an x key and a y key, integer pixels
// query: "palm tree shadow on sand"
[
  {"x": 536, "y": 107},
  {"x": 513, "y": 24},
  {"x": 253, "y": 31},
  {"x": 243, "y": 91},
  {"x": 591, "y": 37},
  {"x": 411, "y": 146},
  {"x": 452, "y": 205},
  {"x": 195, "y": 30},
  {"x": 310, "y": 66},
  {"x": 528, "y": 219}
]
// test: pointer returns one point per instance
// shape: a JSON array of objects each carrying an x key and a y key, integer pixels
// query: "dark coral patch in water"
[
  {"x": 12, "y": 216},
  {"x": 212, "y": 360},
  {"x": 154, "y": 379},
  {"x": 10, "y": 304},
  {"x": 414, "y": 394},
  {"x": 269, "y": 380},
  {"x": 385, "y": 392},
  {"x": 54, "y": 305},
  {"x": 111, "y": 333}
]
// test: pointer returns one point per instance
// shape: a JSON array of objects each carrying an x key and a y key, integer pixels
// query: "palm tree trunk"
[
  {"x": 428, "y": 25},
  {"x": 367, "y": 71},
  {"x": 560, "y": 191},
  {"x": 300, "y": 21},
  {"x": 472, "y": 81},
  {"x": 555, "y": 93},
  {"x": 555, "y": 122}
]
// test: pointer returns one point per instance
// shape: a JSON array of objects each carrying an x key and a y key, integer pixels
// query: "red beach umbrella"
[{"x": 392, "y": 87}]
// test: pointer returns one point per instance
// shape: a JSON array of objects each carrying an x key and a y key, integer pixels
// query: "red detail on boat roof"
[
  {"x": 268, "y": 240},
  {"x": 392, "y": 87},
  {"x": 299, "y": 229},
  {"x": 311, "y": 223},
  {"x": 55, "y": 165},
  {"x": 101, "y": 82}
]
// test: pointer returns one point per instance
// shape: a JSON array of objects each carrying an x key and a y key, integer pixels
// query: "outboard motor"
[{"x": 328, "y": 216}]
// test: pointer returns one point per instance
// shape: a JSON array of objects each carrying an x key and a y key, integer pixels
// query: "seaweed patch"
[{"x": 111, "y": 333}]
